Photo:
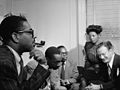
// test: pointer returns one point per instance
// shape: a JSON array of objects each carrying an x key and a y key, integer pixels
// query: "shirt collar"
[
  {"x": 65, "y": 62},
  {"x": 16, "y": 55},
  {"x": 111, "y": 61}
]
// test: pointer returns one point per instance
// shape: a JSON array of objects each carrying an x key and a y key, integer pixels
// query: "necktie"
[
  {"x": 63, "y": 71},
  {"x": 109, "y": 70},
  {"x": 21, "y": 70},
  {"x": 21, "y": 64}
]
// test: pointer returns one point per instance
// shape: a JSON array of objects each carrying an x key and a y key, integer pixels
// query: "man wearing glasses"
[
  {"x": 18, "y": 37},
  {"x": 68, "y": 71}
]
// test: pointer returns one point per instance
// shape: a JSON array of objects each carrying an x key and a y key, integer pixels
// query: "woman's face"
[{"x": 94, "y": 37}]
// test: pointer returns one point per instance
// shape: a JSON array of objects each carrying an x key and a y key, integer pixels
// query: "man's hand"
[
  {"x": 38, "y": 56},
  {"x": 65, "y": 82},
  {"x": 93, "y": 87}
]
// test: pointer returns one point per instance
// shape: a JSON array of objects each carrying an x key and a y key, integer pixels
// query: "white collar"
[
  {"x": 16, "y": 55},
  {"x": 65, "y": 62},
  {"x": 111, "y": 61}
]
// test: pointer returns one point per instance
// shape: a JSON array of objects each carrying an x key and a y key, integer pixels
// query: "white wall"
[
  {"x": 107, "y": 14},
  {"x": 2, "y": 7},
  {"x": 58, "y": 22}
]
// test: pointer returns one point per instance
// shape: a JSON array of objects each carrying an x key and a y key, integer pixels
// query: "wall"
[
  {"x": 107, "y": 14},
  {"x": 58, "y": 22},
  {"x": 2, "y": 7}
]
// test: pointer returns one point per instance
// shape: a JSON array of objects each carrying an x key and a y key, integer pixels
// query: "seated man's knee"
[{"x": 75, "y": 86}]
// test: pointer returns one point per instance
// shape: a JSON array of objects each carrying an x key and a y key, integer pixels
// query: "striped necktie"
[
  {"x": 109, "y": 70},
  {"x": 63, "y": 71},
  {"x": 21, "y": 70}
]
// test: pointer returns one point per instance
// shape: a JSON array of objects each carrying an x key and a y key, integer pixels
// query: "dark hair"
[
  {"x": 49, "y": 53},
  {"x": 107, "y": 44},
  {"x": 94, "y": 28},
  {"x": 10, "y": 24}
]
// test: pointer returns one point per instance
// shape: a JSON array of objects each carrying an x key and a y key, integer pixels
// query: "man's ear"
[
  {"x": 111, "y": 51},
  {"x": 15, "y": 37}
]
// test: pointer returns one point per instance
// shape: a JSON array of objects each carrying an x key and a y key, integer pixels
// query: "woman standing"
[
  {"x": 91, "y": 60},
  {"x": 93, "y": 65}
]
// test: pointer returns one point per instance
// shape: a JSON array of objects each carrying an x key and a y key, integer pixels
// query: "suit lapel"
[
  {"x": 114, "y": 67},
  {"x": 14, "y": 63},
  {"x": 67, "y": 68},
  {"x": 12, "y": 58}
]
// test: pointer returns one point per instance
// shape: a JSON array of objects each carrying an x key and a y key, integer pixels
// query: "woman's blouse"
[{"x": 91, "y": 59}]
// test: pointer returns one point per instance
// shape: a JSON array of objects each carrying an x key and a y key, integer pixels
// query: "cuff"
[
  {"x": 44, "y": 66},
  {"x": 101, "y": 86}
]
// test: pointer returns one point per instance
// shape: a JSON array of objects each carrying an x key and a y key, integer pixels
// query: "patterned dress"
[
  {"x": 93, "y": 64},
  {"x": 91, "y": 59}
]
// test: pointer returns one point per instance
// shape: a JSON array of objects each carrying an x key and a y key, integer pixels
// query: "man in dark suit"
[
  {"x": 18, "y": 37},
  {"x": 112, "y": 75}
]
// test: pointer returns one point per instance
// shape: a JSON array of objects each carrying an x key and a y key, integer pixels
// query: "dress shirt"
[
  {"x": 111, "y": 61},
  {"x": 17, "y": 58},
  {"x": 63, "y": 71},
  {"x": 110, "y": 65},
  {"x": 64, "y": 65}
]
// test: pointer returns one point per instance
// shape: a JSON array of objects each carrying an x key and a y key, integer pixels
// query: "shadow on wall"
[{"x": 76, "y": 55}]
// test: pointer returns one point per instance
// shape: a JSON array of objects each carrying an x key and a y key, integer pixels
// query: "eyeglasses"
[
  {"x": 64, "y": 53},
  {"x": 31, "y": 31}
]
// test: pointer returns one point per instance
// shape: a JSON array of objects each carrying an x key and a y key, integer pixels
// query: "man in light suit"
[
  {"x": 71, "y": 73},
  {"x": 18, "y": 37},
  {"x": 112, "y": 62}
]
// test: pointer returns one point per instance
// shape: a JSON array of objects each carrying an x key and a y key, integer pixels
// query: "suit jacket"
[
  {"x": 9, "y": 78},
  {"x": 113, "y": 83},
  {"x": 31, "y": 68},
  {"x": 71, "y": 71}
]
